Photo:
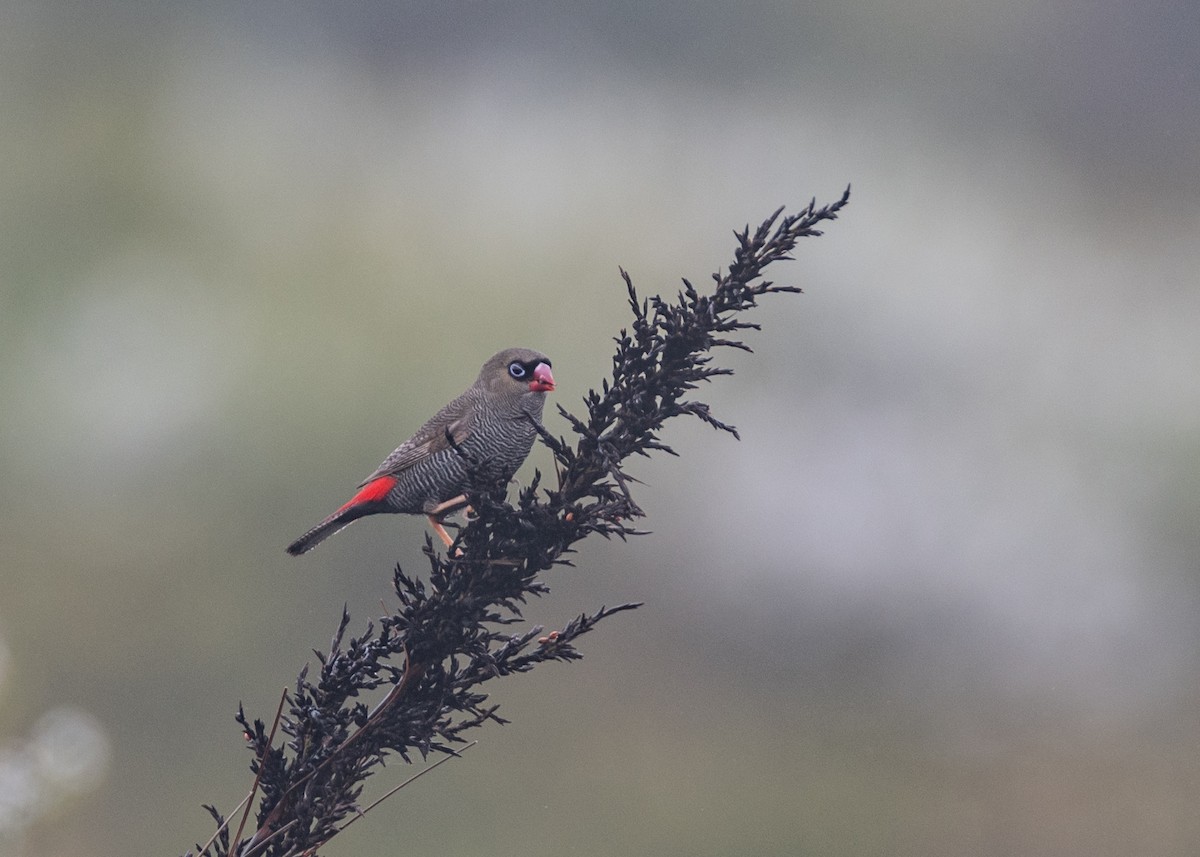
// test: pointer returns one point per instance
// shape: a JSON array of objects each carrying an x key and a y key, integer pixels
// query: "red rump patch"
[{"x": 373, "y": 492}]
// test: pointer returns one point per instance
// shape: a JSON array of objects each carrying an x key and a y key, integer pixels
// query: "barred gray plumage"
[
  {"x": 492, "y": 424},
  {"x": 498, "y": 443}
]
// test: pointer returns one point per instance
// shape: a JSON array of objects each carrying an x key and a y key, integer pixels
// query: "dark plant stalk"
[{"x": 447, "y": 637}]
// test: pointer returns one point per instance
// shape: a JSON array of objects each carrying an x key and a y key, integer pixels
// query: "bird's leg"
[
  {"x": 440, "y": 530},
  {"x": 440, "y": 510},
  {"x": 452, "y": 505}
]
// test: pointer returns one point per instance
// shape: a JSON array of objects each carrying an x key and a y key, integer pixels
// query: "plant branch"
[{"x": 448, "y": 635}]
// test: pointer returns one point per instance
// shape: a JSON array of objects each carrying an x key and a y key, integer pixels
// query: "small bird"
[{"x": 493, "y": 424}]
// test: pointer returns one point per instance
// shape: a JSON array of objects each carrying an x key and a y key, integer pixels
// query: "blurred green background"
[{"x": 942, "y": 599}]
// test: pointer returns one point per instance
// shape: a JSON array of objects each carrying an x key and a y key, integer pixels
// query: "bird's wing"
[{"x": 455, "y": 420}]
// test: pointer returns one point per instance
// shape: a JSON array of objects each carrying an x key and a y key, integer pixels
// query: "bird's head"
[{"x": 517, "y": 372}]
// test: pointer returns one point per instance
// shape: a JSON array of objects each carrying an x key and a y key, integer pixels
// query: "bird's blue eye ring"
[{"x": 516, "y": 370}]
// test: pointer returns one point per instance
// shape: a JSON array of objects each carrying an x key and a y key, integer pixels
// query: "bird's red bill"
[
  {"x": 543, "y": 379},
  {"x": 373, "y": 492}
]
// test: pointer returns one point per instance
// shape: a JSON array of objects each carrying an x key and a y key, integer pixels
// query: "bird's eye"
[{"x": 516, "y": 370}]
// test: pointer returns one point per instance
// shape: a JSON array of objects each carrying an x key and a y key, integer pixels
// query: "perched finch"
[{"x": 492, "y": 424}]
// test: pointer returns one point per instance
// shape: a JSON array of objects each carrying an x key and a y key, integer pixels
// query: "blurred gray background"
[{"x": 942, "y": 599}]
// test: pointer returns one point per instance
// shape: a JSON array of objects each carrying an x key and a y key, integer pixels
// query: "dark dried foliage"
[{"x": 448, "y": 635}]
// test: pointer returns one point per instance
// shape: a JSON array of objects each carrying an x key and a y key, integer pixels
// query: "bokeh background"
[{"x": 942, "y": 599}]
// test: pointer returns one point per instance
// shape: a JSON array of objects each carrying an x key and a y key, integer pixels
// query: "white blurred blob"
[
  {"x": 71, "y": 749},
  {"x": 20, "y": 794},
  {"x": 66, "y": 754}
]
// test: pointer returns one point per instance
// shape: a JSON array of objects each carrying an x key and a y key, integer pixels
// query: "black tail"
[{"x": 341, "y": 518}]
